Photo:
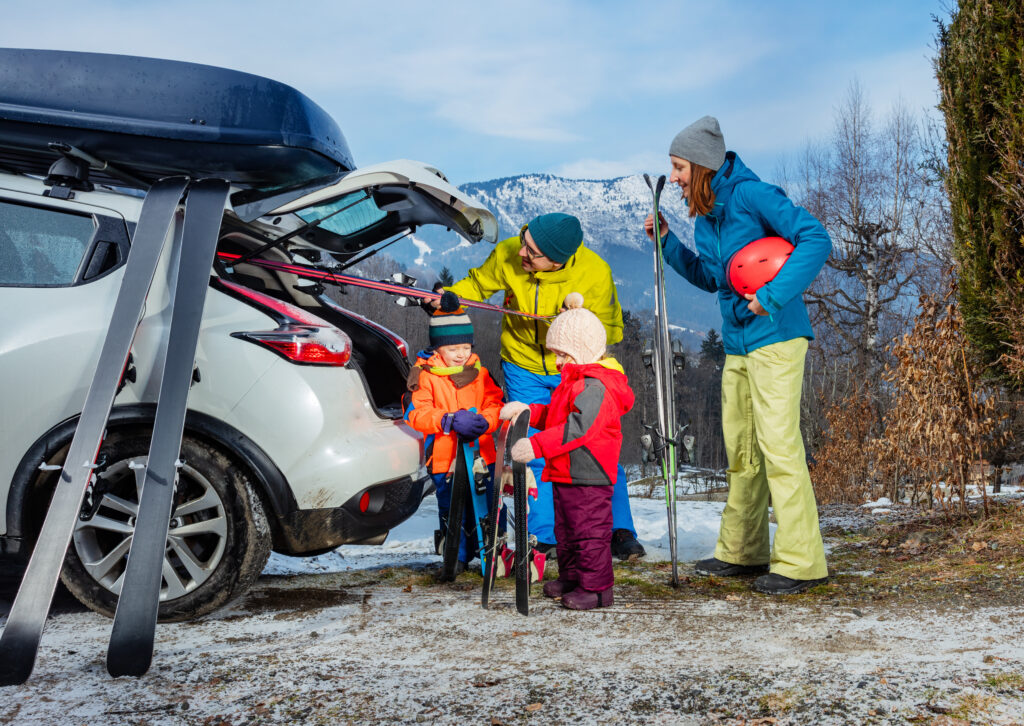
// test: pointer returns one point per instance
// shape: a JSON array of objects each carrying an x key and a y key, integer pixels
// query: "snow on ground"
[
  {"x": 412, "y": 542},
  {"x": 334, "y": 639}
]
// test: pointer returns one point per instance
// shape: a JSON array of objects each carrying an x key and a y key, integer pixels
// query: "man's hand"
[
  {"x": 431, "y": 305},
  {"x": 662, "y": 226},
  {"x": 754, "y": 306}
]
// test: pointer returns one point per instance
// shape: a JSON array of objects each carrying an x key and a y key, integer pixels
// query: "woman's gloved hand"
[{"x": 512, "y": 409}]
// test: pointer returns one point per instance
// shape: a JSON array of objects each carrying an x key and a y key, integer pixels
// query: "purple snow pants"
[{"x": 583, "y": 530}]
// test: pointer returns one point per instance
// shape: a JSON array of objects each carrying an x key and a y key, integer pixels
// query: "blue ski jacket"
[{"x": 747, "y": 209}]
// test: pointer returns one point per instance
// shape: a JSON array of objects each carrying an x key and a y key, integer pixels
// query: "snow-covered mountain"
[{"x": 611, "y": 212}]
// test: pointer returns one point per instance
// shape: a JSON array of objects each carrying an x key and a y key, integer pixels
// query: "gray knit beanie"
[
  {"x": 579, "y": 333},
  {"x": 700, "y": 143}
]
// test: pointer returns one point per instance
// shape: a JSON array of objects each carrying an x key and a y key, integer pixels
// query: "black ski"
[
  {"x": 665, "y": 431},
  {"x": 20, "y": 640},
  {"x": 492, "y": 541},
  {"x": 131, "y": 641},
  {"x": 456, "y": 515},
  {"x": 524, "y": 552}
]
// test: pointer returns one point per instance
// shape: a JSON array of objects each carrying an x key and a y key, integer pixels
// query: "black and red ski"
[
  {"x": 491, "y": 548},
  {"x": 524, "y": 550},
  {"x": 393, "y": 288}
]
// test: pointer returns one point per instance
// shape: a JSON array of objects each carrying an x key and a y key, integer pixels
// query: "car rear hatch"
[{"x": 342, "y": 224}]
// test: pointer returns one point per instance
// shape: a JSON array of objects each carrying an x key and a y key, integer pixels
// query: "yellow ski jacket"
[{"x": 542, "y": 293}]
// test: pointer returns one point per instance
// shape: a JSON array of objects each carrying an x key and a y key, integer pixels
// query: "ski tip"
[
  {"x": 117, "y": 669},
  {"x": 14, "y": 674},
  {"x": 129, "y": 658},
  {"x": 661, "y": 183},
  {"x": 647, "y": 178}
]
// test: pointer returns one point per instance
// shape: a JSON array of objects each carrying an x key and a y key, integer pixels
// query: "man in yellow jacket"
[{"x": 543, "y": 270}]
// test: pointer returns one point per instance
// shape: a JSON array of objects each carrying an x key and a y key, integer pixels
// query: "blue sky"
[{"x": 582, "y": 89}]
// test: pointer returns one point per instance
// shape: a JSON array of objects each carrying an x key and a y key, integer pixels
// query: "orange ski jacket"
[{"x": 437, "y": 390}]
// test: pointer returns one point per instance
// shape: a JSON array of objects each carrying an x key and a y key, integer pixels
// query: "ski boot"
[{"x": 625, "y": 547}]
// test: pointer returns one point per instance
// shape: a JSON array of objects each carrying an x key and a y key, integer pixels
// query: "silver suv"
[{"x": 294, "y": 439}]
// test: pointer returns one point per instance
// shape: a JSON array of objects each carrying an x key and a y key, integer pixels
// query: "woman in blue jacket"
[{"x": 765, "y": 336}]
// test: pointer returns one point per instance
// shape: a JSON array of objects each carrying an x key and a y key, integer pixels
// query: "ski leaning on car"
[{"x": 765, "y": 332}]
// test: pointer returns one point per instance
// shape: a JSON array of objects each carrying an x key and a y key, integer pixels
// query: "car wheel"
[{"x": 217, "y": 544}]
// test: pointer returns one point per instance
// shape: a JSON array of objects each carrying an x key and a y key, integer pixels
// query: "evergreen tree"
[
  {"x": 445, "y": 277},
  {"x": 980, "y": 68},
  {"x": 712, "y": 349}
]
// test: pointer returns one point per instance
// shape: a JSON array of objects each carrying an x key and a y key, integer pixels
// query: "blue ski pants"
[{"x": 522, "y": 385}]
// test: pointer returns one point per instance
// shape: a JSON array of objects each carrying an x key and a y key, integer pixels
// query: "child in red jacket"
[
  {"x": 580, "y": 439},
  {"x": 447, "y": 382}
]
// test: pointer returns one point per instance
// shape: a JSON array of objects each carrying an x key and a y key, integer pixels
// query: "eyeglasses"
[{"x": 530, "y": 254}]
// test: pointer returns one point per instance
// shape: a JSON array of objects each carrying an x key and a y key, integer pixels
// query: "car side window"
[{"x": 42, "y": 247}]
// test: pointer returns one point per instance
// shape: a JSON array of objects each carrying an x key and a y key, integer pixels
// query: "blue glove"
[{"x": 469, "y": 425}]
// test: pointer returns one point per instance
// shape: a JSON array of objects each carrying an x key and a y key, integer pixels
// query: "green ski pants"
[{"x": 761, "y": 424}]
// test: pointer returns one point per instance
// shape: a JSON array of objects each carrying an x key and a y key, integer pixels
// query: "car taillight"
[
  {"x": 301, "y": 337},
  {"x": 305, "y": 344}
]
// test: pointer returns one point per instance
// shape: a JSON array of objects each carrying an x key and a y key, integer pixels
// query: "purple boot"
[
  {"x": 580, "y": 599},
  {"x": 558, "y": 588}
]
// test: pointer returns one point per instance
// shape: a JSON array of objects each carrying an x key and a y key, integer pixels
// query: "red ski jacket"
[{"x": 582, "y": 426}]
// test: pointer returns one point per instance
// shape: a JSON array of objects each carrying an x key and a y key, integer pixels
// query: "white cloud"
[
  {"x": 611, "y": 169},
  {"x": 520, "y": 71}
]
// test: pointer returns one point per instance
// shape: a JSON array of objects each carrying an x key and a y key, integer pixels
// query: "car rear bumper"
[{"x": 366, "y": 518}]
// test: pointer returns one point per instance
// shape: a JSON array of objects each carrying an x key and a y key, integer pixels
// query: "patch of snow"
[
  {"x": 880, "y": 502},
  {"x": 423, "y": 248},
  {"x": 412, "y": 542}
]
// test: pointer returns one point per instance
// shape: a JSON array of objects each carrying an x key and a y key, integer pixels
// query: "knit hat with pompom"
[{"x": 579, "y": 333}]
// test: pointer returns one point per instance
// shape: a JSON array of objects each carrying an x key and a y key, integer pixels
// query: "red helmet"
[{"x": 757, "y": 264}]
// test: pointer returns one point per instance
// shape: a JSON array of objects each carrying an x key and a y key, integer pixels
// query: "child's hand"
[
  {"x": 512, "y": 409},
  {"x": 522, "y": 451},
  {"x": 468, "y": 424}
]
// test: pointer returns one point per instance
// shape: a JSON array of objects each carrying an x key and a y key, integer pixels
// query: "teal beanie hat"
[{"x": 556, "y": 235}]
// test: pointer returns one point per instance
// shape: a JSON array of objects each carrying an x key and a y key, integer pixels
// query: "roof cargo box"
[{"x": 150, "y": 118}]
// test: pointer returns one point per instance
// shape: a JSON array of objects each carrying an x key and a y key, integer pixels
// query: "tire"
[{"x": 218, "y": 543}]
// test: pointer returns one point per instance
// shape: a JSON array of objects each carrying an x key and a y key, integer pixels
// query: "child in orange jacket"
[{"x": 447, "y": 382}]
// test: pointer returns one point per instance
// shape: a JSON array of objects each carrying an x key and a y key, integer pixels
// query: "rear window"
[
  {"x": 41, "y": 247},
  {"x": 345, "y": 216}
]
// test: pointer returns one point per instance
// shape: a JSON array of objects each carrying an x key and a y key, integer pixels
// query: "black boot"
[
  {"x": 625, "y": 547},
  {"x": 775, "y": 584},
  {"x": 438, "y": 541},
  {"x": 713, "y": 566}
]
